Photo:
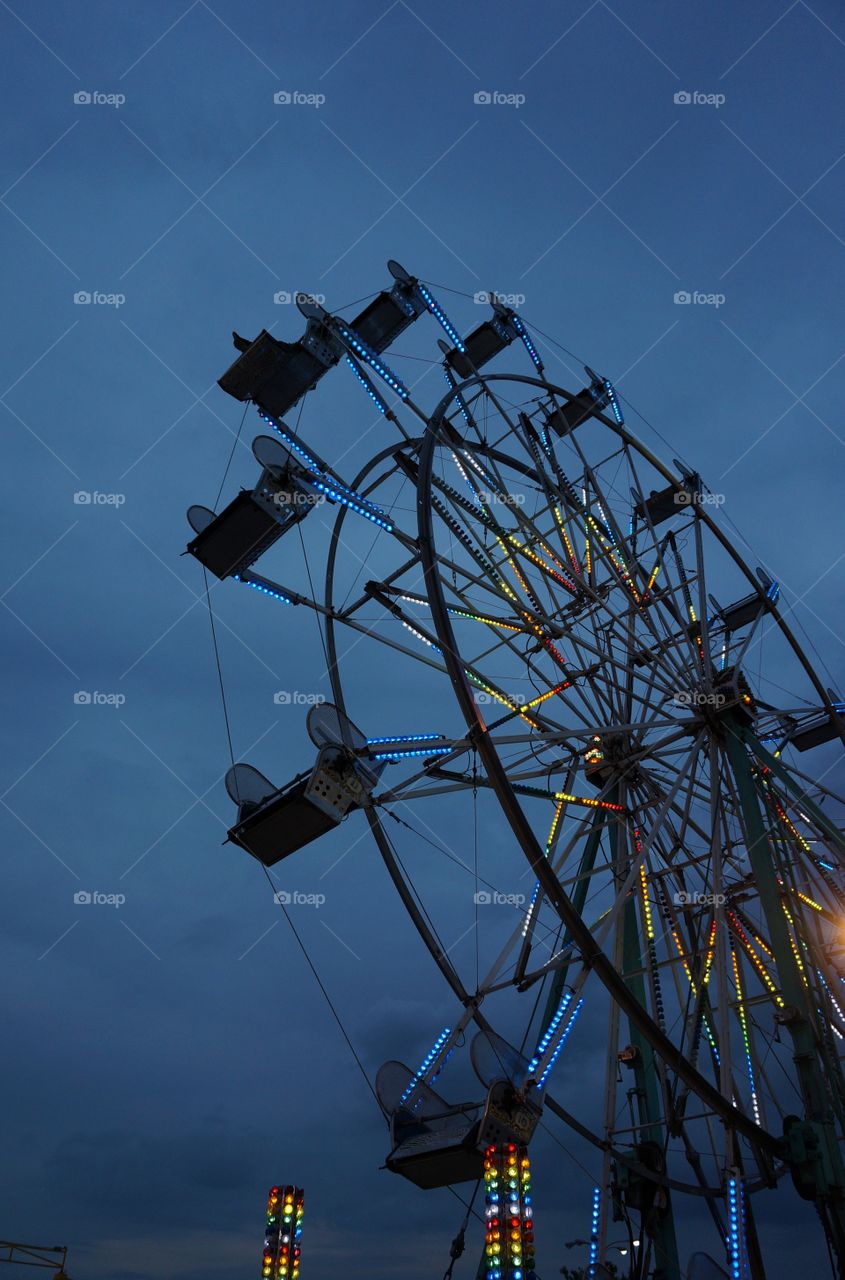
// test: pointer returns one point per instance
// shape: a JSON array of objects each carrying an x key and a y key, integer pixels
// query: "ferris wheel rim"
[
  {"x": 592, "y": 954},
  {"x": 424, "y": 448}
]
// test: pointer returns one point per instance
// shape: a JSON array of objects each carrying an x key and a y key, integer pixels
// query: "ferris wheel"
[{"x": 579, "y": 664}]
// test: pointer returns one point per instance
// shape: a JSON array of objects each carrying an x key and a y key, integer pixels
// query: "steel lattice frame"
[{"x": 606, "y": 706}]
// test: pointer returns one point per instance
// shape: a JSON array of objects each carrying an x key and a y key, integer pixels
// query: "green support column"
[
  {"x": 827, "y": 1171},
  {"x": 666, "y": 1261}
]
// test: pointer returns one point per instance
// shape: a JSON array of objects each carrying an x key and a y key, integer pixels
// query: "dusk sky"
[{"x": 169, "y": 1055}]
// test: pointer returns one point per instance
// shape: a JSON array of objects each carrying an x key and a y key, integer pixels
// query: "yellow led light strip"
[
  {"x": 755, "y": 960},
  {"x": 711, "y": 951},
  {"x": 708, "y": 1030},
  {"x": 555, "y": 824},
  {"x": 793, "y": 944},
  {"x": 544, "y": 697},
  {"x": 502, "y": 698},
  {"x": 619, "y": 563},
  {"x": 589, "y": 802},
  {"x": 740, "y": 1004},
  {"x": 538, "y": 560},
  {"x": 480, "y": 617},
  {"x": 790, "y": 826},
  {"x": 649, "y": 926},
  {"x": 570, "y": 551}
]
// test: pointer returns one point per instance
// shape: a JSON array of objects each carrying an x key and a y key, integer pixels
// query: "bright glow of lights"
[
  {"x": 440, "y": 315},
  {"x": 283, "y": 1234},
  {"x": 592, "y": 1265},
  {"x": 509, "y": 1216},
  {"x": 589, "y": 802},
  {"x": 367, "y": 385},
  {"x": 371, "y": 358},
  {"x": 264, "y": 588},
  {"x": 428, "y": 1063}
]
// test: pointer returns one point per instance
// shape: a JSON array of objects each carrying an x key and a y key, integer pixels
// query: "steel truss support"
[{"x": 812, "y": 1146}]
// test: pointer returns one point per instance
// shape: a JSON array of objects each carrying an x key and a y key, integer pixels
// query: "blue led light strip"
[
  {"x": 440, "y": 315},
  {"x": 550, "y": 1030},
  {"x": 427, "y": 1063},
  {"x": 406, "y": 737},
  {"x": 347, "y": 498},
  {"x": 615, "y": 406},
  {"x": 332, "y": 488},
  {"x": 737, "y": 1252},
  {"x": 371, "y": 358},
  {"x": 291, "y": 442},
  {"x": 467, "y": 455},
  {"x": 526, "y": 924},
  {"x": 527, "y": 343},
  {"x": 350, "y": 493},
  {"x": 469, "y": 483},
  {"x": 258, "y": 585},
  {"x": 451, "y": 379},
  {"x": 367, "y": 385},
  {"x": 409, "y": 753},
  {"x": 592, "y": 1265},
  {"x": 574, "y": 1014}
]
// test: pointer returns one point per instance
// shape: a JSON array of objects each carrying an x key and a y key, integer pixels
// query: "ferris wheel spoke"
[
  {"x": 675, "y": 610},
  {"x": 347, "y": 610},
  {"x": 822, "y": 822}
]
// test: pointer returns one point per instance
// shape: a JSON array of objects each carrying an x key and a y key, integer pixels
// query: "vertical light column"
[
  {"x": 737, "y": 1248},
  {"x": 283, "y": 1234},
  {"x": 592, "y": 1265},
  {"x": 509, "y": 1249}
]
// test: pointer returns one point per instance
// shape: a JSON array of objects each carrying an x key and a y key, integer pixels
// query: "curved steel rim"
[{"x": 592, "y": 955}]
